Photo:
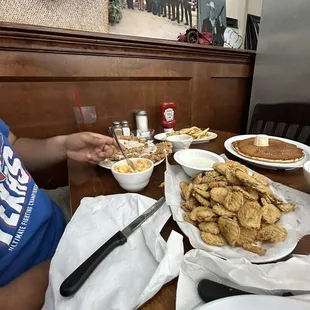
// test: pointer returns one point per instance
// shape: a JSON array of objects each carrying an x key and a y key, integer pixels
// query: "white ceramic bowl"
[
  {"x": 307, "y": 171},
  {"x": 194, "y": 161},
  {"x": 133, "y": 182},
  {"x": 180, "y": 142}
]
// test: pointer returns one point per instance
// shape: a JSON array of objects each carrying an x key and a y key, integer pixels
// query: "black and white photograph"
[
  {"x": 212, "y": 19},
  {"x": 163, "y": 19}
]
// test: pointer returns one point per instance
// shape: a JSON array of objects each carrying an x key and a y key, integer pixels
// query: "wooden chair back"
[{"x": 287, "y": 120}]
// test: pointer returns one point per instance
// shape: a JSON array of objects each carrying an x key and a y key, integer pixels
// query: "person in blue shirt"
[{"x": 31, "y": 223}]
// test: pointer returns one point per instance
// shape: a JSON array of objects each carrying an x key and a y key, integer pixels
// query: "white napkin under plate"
[
  {"x": 268, "y": 279},
  {"x": 131, "y": 274}
]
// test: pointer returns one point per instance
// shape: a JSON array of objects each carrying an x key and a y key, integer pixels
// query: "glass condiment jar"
[
  {"x": 141, "y": 121},
  {"x": 117, "y": 128},
  {"x": 125, "y": 128}
]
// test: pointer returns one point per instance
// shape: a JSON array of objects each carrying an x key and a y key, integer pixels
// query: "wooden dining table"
[{"x": 87, "y": 180}]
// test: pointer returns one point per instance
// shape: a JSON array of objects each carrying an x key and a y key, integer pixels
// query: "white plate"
[
  {"x": 256, "y": 302},
  {"x": 264, "y": 164},
  {"x": 110, "y": 166},
  {"x": 163, "y": 137},
  {"x": 297, "y": 223}
]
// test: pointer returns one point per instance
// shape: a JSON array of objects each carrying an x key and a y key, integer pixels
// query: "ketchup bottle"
[{"x": 167, "y": 115}]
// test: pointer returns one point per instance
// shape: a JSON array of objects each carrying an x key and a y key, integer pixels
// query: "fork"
[{"x": 129, "y": 162}]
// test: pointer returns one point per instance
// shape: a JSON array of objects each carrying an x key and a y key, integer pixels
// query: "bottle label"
[{"x": 169, "y": 114}]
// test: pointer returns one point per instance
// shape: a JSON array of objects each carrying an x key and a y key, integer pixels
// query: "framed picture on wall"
[{"x": 212, "y": 19}]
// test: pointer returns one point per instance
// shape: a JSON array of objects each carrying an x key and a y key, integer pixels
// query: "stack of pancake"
[{"x": 277, "y": 151}]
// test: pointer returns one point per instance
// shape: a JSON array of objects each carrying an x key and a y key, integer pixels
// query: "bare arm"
[
  {"x": 27, "y": 292},
  {"x": 41, "y": 153}
]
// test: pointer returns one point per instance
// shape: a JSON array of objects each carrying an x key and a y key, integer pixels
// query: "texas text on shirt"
[{"x": 31, "y": 224}]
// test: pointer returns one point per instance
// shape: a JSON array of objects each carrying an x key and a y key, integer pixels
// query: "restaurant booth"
[
  {"x": 46, "y": 72},
  {"x": 41, "y": 67}
]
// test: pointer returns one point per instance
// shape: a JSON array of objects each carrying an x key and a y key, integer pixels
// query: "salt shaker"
[
  {"x": 141, "y": 121},
  {"x": 125, "y": 128},
  {"x": 117, "y": 128}
]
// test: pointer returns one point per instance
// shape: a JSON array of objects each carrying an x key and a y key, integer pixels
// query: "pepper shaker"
[{"x": 125, "y": 128}]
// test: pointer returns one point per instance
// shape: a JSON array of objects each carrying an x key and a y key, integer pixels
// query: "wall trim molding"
[{"x": 26, "y": 38}]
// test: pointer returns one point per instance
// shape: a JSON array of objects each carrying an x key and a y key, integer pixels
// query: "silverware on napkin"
[
  {"x": 209, "y": 290},
  {"x": 77, "y": 278}
]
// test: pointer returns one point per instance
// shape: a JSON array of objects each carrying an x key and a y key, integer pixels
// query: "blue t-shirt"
[{"x": 31, "y": 224}]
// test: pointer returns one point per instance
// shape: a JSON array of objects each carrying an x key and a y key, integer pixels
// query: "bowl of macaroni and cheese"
[{"x": 130, "y": 180}]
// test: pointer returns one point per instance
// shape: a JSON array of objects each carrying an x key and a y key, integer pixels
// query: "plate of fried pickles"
[
  {"x": 234, "y": 212},
  {"x": 199, "y": 135},
  {"x": 138, "y": 148}
]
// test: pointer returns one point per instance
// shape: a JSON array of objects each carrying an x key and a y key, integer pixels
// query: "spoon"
[{"x": 129, "y": 162}]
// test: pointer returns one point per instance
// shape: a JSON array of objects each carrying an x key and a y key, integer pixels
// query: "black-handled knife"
[
  {"x": 209, "y": 290},
  {"x": 77, "y": 278}
]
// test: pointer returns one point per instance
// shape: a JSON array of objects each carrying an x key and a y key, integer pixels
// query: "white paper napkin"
[
  {"x": 297, "y": 223},
  {"x": 269, "y": 279},
  {"x": 132, "y": 273}
]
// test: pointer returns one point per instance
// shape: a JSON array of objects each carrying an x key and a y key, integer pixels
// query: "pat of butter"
[{"x": 261, "y": 140}]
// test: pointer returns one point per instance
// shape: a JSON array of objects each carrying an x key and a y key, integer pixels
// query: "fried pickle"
[
  {"x": 190, "y": 204},
  {"x": 233, "y": 201},
  {"x": 212, "y": 239},
  {"x": 251, "y": 182},
  {"x": 260, "y": 178},
  {"x": 231, "y": 177},
  {"x": 254, "y": 248},
  {"x": 218, "y": 184},
  {"x": 253, "y": 192},
  {"x": 207, "y": 179},
  {"x": 287, "y": 207},
  {"x": 206, "y": 216},
  {"x": 203, "y": 201},
  {"x": 246, "y": 236},
  {"x": 210, "y": 227},
  {"x": 220, "y": 167},
  {"x": 212, "y": 203},
  {"x": 274, "y": 198},
  {"x": 203, "y": 187},
  {"x": 234, "y": 164},
  {"x": 183, "y": 206},
  {"x": 270, "y": 213},
  {"x": 272, "y": 233},
  {"x": 197, "y": 179},
  {"x": 250, "y": 215},
  {"x": 186, "y": 189},
  {"x": 219, "y": 194},
  {"x": 222, "y": 211},
  {"x": 161, "y": 185},
  {"x": 202, "y": 193},
  {"x": 229, "y": 229},
  {"x": 186, "y": 218},
  {"x": 245, "y": 192},
  {"x": 202, "y": 214},
  {"x": 213, "y": 174}
]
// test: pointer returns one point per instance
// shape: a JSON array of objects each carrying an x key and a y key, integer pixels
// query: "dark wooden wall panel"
[
  {"x": 45, "y": 109},
  {"x": 40, "y": 67}
]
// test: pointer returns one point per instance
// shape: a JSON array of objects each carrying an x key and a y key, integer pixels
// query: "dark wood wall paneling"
[{"x": 40, "y": 67}]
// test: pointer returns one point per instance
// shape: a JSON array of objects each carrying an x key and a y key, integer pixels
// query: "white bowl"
[
  {"x": 307, "y": 171},
  {"x": 195, "y": 161},
  {"x": 180, "y": 142},
  {"x": 133, "y": 182}
]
